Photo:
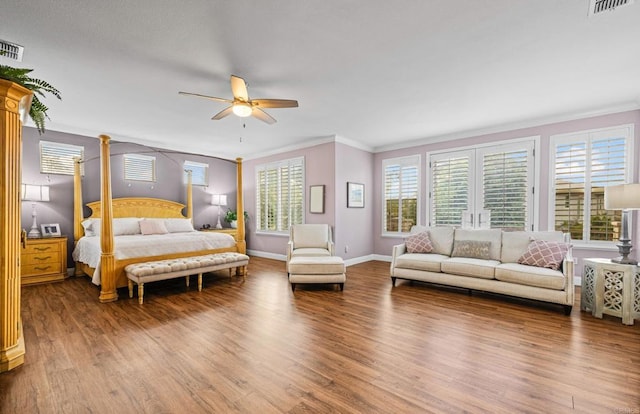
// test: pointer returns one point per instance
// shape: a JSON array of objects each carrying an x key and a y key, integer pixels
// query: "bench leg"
[
  {"x": 130, "y": 284},
  {"x": 199, "y": 282},
  {"x": 231, "y": 272},
  {"x": 140, "y": 293},
  {"x": 187, "y": 279},
  {"x": 244, "y": 272}
]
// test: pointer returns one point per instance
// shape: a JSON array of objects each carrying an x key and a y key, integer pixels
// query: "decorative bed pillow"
[
  {"x": 178, "y": 225},
  {"x": 471, "y": 248},
  {"x": 126, "y": 226},
  {"x": 91, "y": 227},
  {"x": 152, "y": 227},
  {"x": 541, "y": 253},
  {"x": 419, "y": 243}
]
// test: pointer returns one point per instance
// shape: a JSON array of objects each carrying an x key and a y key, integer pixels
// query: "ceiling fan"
[{"x": 242, "y": 106}]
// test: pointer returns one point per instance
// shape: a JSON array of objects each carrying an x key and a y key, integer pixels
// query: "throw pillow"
[
  {"x": 419, "y": 243},
  {"x": 152, "y": 227},
  {"x": 471, "y": 248},
  {"x": 178, "y": 225},
  {"x": 541, "y": 253}
]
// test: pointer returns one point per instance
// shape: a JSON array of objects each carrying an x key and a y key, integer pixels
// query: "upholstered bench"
[
  {"x": 321, "y": 269},
  {"x": 141, "y": 273}
]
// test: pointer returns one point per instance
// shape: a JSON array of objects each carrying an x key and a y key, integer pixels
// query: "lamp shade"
[
  {"x": 622, "y": 197},
  {"x": 32, "y": 192},
  {"x": 219, "y": 199}
]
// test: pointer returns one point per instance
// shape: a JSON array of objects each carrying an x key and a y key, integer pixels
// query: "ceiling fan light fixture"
[{"x": 242, "y": 109}]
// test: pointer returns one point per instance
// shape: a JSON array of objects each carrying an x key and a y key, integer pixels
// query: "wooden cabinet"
[
  {"x": 43, "y": 260},
  {"x": 232, "y": 232}
]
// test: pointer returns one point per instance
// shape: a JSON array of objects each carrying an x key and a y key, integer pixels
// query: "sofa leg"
[
  {"x": 470, "y": 292},
  {"x": 567, "y": 309},
  {"x": 393, "y": 281},
  {"x": 293, "y": 287},
  {"x": 341, "y": 286}
]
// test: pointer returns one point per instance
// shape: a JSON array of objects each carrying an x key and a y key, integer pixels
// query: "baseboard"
[{"x": 267, "y": 255}]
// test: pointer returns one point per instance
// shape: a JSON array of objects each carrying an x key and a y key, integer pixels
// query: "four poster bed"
[{"x": 105, "y": 244}]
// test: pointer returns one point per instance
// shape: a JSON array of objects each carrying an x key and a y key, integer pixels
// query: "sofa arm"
[
  {"x": 332, "y": 247},
  {"x": 398, "y": 249}
]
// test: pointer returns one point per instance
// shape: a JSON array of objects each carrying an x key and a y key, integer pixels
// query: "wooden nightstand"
[
  {"x": 43, "y": 260},
  {"x": 232, "y": 232}
]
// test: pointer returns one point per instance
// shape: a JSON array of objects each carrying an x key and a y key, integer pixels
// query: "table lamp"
[
  {"x": 34, "y": 193},
  {"x": 625, "y": 197},
  {"x": 219, "y": 200}
]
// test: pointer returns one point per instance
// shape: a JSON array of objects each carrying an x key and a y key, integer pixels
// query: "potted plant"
[
  {"x": 37, "y": 111},
  {"x": 232, "y": 218}
]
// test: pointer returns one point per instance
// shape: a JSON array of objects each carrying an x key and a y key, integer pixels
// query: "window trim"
[
  {"x": 140, "y": 158},
  {"x": 272, "y": 165},
  {"x": 188, "y": 163},
  {"x": 407, "y": 160},
  {"x": 58, "y": 146},
  {"x": 629, "y": 168}
]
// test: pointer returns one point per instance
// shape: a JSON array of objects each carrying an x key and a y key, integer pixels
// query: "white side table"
[{"x": 611, "y": 289}]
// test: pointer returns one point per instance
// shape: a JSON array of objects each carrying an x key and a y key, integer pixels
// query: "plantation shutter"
[
  {"x": 199, "y": 173},
  {"x": 280, "y": 195},
  {"x": 570, "y": 174},
  {"x": 401, "y": 187},
  {"x": 139, "y": 167},
  {"x": 57, "y": 158},
  {"x": 505, "y": 188},
  {"x": 450, "y": 188}
]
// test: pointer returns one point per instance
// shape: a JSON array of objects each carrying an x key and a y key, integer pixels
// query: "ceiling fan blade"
[
  {"x": 213, "y": 98},
  {"x": 239, "y": 88},
  {"x": 225, "y": 112},
  {"x": 263, "y": 116},
  {"x": 275, "y": 103}
]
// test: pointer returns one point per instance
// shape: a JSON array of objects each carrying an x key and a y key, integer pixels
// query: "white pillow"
[
  {"x": 91, "y": 227},
  {"x": 178, "y": 225},
  {"x": 152, "y": 227},
  {"x": 126, "y": 226}
]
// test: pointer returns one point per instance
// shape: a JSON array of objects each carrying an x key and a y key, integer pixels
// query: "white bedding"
[{"x": 87, "y": 249}]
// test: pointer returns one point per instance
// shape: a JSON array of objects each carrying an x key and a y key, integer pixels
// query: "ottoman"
[{"x": 321, "y": 269}]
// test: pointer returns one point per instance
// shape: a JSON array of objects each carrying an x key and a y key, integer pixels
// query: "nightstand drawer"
[
  {"x": 41, "y": 269},
  {"x": 40, "y": 258},
  {"x": 41, "y": 247}
]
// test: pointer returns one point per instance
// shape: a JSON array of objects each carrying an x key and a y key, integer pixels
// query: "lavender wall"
[
  {"x": 383, "y": 245},
  {"x": 353, "y": 235},
  {"x": 319, "y": 162},
  {"x": 168, "y": 185}
]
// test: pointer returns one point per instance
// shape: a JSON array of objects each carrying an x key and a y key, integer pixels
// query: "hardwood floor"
[{"x": 256, "y": 347}]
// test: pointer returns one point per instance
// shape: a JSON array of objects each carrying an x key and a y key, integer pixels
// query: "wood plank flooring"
[{"x": 256, "y": 347}]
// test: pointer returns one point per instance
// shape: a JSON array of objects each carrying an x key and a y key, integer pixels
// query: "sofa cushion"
[
  {"x": 531, "y": 276},
  {"x": 419, "y": 243},
  {"x": 541, "y": 253},
  {"x": 464, "y": 266},
  {"x": 441, "y": 238},
  {"x": 491, "y": 235},
  {"x": 420, "y": 261},
  {"x": 471, "y": 248},
  {"x": 515, "y": 243}
]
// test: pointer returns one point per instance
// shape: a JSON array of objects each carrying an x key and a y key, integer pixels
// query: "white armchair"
[{"x": 310, "y": 240}]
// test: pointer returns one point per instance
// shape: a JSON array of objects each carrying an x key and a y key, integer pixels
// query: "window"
[
  {"x": 483, "y": 187},
  {"x": 583, "y": 164},
  {"x": 57, "y": 158},
  {"x": 199, "y": 173},
  {"x": 139, "y": 167},
  {"x": 401, "y": 183},
  {"x": 280, "y": 195}
]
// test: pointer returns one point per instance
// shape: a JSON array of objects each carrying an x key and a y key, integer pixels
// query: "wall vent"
[
  {"x": 11, "y": 50},
  {"x": 600, "y": 6}
]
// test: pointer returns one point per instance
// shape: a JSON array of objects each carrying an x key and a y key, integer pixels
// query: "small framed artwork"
[
  {"x": 355, "y": 195},
  {"x": 316, "y": 199},
  {"x": 50, "y": 230}
]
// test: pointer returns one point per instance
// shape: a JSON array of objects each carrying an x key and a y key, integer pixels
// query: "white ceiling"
[{"x": 377, "y": 73}]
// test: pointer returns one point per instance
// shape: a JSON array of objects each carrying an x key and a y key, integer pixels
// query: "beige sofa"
[{"x": 498, "y": 270}]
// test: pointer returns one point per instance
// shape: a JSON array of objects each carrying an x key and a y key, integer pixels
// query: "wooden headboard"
[{"x": 140, "y": 207}]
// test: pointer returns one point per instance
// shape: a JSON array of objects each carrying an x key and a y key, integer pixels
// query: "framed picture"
[
  {"x": 355, "y": 195},
  {"x": 50, "y": 230},
  {"x": 316, "y": 199}
]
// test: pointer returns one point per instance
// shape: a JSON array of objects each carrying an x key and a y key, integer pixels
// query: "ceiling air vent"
[
  {"x": 599, "y": 6},
  {"x": 11, "y": 50}
]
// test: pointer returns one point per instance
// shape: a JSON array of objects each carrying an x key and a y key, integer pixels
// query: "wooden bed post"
[
  {"x": 189, "y": 196},
  {"x": 78, "y": 214},
  {"x": 108, "y": 292},
  {"x": 242, "y": 244}
]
